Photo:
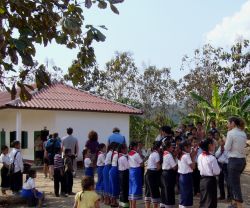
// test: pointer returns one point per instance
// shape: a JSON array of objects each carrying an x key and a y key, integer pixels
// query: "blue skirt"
[
  {"x": 135, "y": 183},
  {"x": 89, "y": 171},
  {"x": 99, "y": 184},
  {"x": 186, "y": 189},
  {"x": 28, "y": 193},
  {"x": 106, "y": 190},
  {"x": 114, "y": 182}
]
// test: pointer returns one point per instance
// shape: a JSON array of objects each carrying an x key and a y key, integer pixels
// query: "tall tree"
[
  {"x": 119, "y": 78},
  {"x": 24, "y": 23}
]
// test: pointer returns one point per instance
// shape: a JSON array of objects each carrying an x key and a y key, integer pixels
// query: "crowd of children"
[{"x": 185, "y": 162}]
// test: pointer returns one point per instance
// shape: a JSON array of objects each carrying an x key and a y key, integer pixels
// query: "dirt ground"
[{"x": 46, "y": 185}]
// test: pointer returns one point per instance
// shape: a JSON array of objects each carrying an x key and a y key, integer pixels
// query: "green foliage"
[{"x": 26, "y": 23}]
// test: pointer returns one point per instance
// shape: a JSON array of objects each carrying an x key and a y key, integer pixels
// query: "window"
[
  {"x": 2, "y": 138},
  {"x": 12, "y": 137},
  {"x": 24, "y": 141}
]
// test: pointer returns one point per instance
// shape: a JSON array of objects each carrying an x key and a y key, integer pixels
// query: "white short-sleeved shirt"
[
  {"x": 208, "y": 165},
  {"x": 108, "y": 158},
  {"x": 184, "y": 164},
  {"x": 18, "y": 160},
  {"x": 5, "y": 159},
  {"x": 134, "y": 159},
  {"x": 87, "y": 162},
  {"x": 168, "y": 161},
  {"x": 115, "y": 159},
  {"x": 100, "y": 159},
  {"x": 29, "y": 184},
  {"x": 123, "y": 162},
  {"x": 153, "y": 159}
]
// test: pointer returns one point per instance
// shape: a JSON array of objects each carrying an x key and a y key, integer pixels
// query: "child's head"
[
  {"x": 102, "y": 147},
  {"x": 122, "y": 148},
  {"x": 67, "y": 152},
  {"x": 4, "y": 149},
  {"x": 156, "y": 146},
  {"x": 195, "y": 142},
  {"x": 199, "y": 125},
  {"x": 133, "y": 146},
  {"x": 167, "y": 146},
  {"x": 221, "y": 142},
  {"x": 217, "y": 135},
  {"x": 16, "y": 144},
  {"x": 210, "y": 135},
  {"x": 32, "y": 173},
  {"x": 58, "y": 150},
  {"x": 185, "y": 146},
  {"x": 194, "y": 131},
  {"x": 87, "y": 183},
  {"x": 208, "y": 145},
  {"x": 178, "y": 140},
  {"x": 55, "y": 135},
  {"x": 86, "y": 153}
]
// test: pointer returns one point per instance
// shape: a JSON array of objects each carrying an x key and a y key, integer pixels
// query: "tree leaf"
[
  {"x": 245, "y": 105},
  {"x": 114, "y": 9},
  {"x": 102, "y": 4},
  {"x": 13, "y": 92},
  {"x": 88, "y": 3}
]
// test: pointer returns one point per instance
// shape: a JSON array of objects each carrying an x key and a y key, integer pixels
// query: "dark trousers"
[
  {"x": 16, "y": 181},
  {"x": 235, "y": 167},
  {"x": 223, "y": 177},
  {"x": 168, "y": 178},
  {"x": 5, "y": 183},
  {"x": 124, "y": 187},
  {"x": 196, "y": 180},
  {"x": 58, "y": 180},
  {"x": 152, "y": 186},
  {"x": 208, "y": 192},
  {"x": 68, "y": 179}
]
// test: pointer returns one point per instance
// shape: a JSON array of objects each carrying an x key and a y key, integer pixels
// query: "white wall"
[
  {"x": 84, "y": 122},
  {"x": 31, "y": 120},
  {"x": 59, "y": 121}
]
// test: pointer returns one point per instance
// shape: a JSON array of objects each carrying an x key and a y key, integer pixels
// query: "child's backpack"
[{"x": 50, "y": 145}]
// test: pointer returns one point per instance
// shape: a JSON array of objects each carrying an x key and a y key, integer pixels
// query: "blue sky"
[{"x": 160, "y": 32}]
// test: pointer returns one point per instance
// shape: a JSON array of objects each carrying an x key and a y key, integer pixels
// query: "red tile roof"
[{"x": 63, "y": 97}]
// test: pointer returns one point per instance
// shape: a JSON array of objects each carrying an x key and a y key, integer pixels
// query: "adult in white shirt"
[
  {"x": 209, "y": 168},
  {"x": 17, "y": 177},
  {"x": 235, "y": 145},
  {"x": 70, "y": 142},
  {"x": 5, "y": 160}
]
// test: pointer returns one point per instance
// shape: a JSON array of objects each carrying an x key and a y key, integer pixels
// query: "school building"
[{"x": 55, "y": 108}]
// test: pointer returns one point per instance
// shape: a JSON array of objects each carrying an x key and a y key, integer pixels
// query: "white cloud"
[{"x": 231, "y": 29}]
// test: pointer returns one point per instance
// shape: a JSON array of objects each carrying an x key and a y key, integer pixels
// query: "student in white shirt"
[
  {"x": 100, "y": 165},
  {"x": 29, "y": 191},
  {"x": 209, "y": 168},
  {"x": 186, "y": 165},
  {"x": 123, "y": 168},
  {"x": 235, "y": 145},
  {"x": 152, "y": 177},
  {"x": 5, "y": 160},
  {"x": 105, "y": 172},
  {"x": 168, "y": 177},
  {"x": 114, "y": 178},
  {"x": 135, "y": 181},
  {"x": 222, "y": 156},
  {"x": 17, "y": 177},
  {"x": 89, "y": 170}
]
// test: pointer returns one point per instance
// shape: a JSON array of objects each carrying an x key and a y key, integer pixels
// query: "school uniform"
[
  {"x": 209, "y": 168},
  {"x": 27, "y": 192},
  {"x": 100, "y": 165},
  {"x": 89, "y": 170},
  {"x": 16, "y": 179},
  {"x": 106, "y": 170},
  {"x": 185, "y": 181},
  {"x": 114, "y": 177},
  {"x": 5, "y": 160},
  {"x": 152, "y": 179},
  {"x": 135, "y": 182},
  {"x": 58, "y": 174},
  {"x": 222, "y": 157},
  {"x": 123, "y": 168},
  {"x": 168, "y": 179}
]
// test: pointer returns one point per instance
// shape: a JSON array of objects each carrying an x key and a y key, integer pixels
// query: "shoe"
[
  {"x": 64, "y": 195},
  {"x": 221, "y": 198},
  {"x": 57, "y": 195},
  {"x": 72, "y": 193}
]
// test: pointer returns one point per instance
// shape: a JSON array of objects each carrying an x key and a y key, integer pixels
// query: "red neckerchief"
[
  {"x": 132, "y": 152},
  {"x": 165, "y": 153},
  {"x": 120, "y": 155},
  {"x": 205, "y": 153},
  {"x": 100, "y": 152}
]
